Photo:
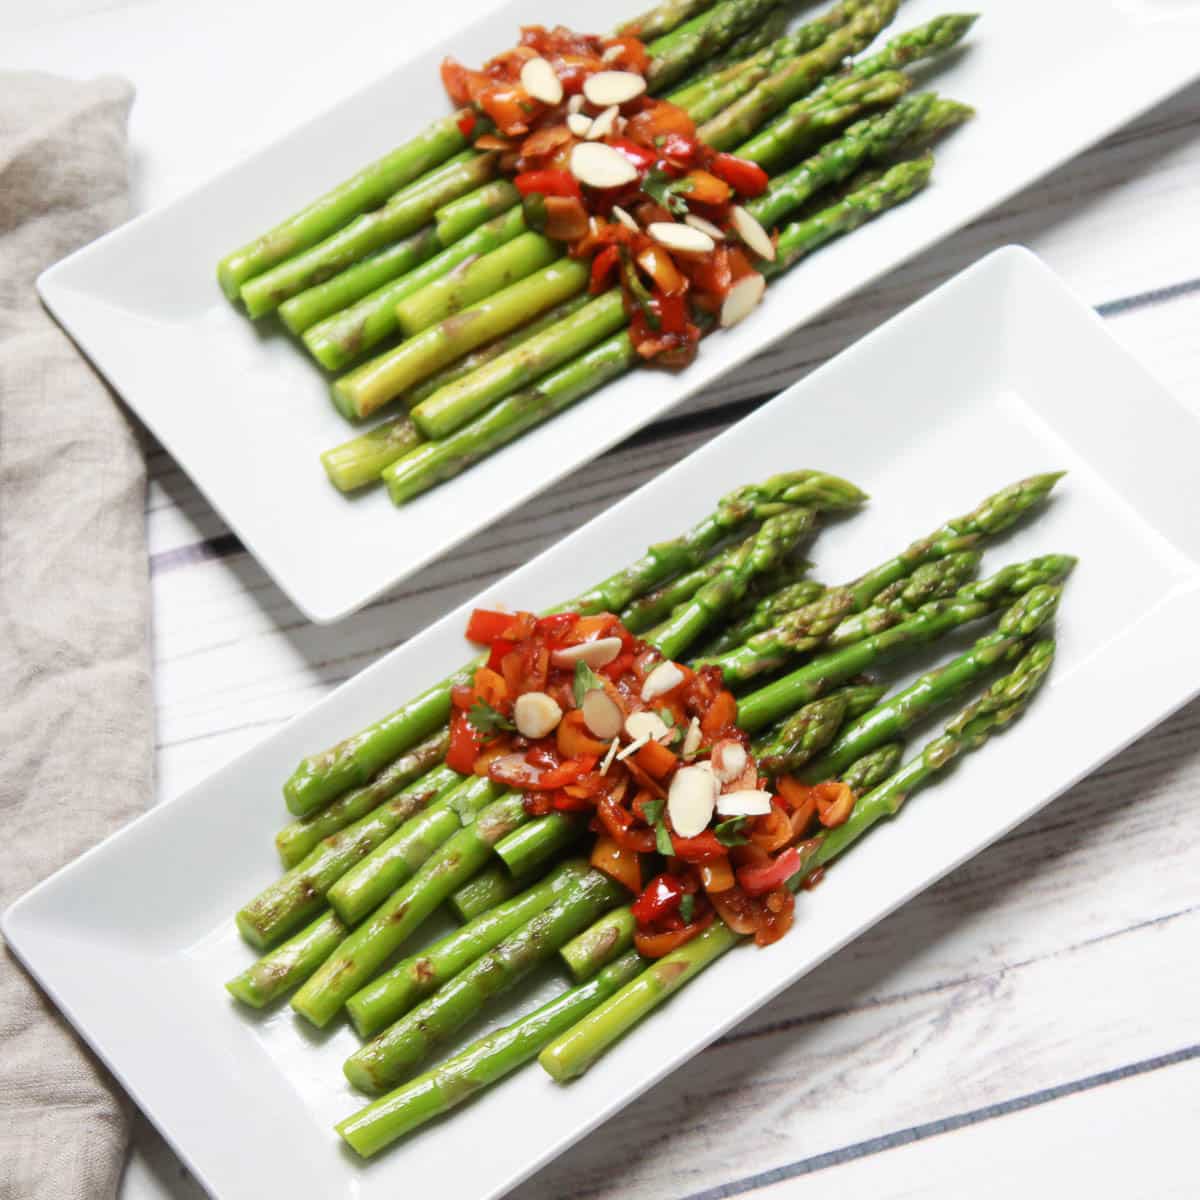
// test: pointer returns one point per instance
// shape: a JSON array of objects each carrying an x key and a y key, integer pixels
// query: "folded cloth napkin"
[{"x": 76, "y": 723}]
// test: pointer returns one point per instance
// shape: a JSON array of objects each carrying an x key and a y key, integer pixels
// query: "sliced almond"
[
  {"x": 613, "y": 87},
  {"x": 603, "y": 125},
  {"x": 596, "y": 654},
  {"x": 661, "y": 680},
  {"x": 536, "y": 714},
  {"x": 690, "y": 800},
  {"x": 744, "y": 804},
  {"x": 612, "y": 53},
  {"x": 685, "y": 238},
  {"x": 647, "y": 725},
  {"x": 692, "y": 739},
  {"x": 752, "y": 233},
  {"x": 579, "y": 124},
  {"x": 624, "y": 218},
  {"x": 698, "y": 222},
  {"x": 632, "y": 748},
  {"x": 742, "y": 299},
  {"x": 602, "y": 714},
  {"x": 613, "y": 747},
  {"x": 600, "y": 166},
  {"x": 539, "y": 80},
  {"x": 575, "y": 104},
  {"x": 728, "y": 760}
]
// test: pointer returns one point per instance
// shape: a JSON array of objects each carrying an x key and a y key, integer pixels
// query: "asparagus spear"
[
  {"x": 734, "y": 124},
  {"x": 321, "y": 777},
  {"x": 392, "y": 1055},
  {"x": 763, "y": 613},
  {"x": 449, "y": 409},
  {"x": 886, "y": 721},
  {"x": 814, "y": 726},
  {"x": 456, "y": 219},
  {"x": 523, "y": 850},
  {"x": 493, "y": 885},
  {"x": 817, "y": 677},
  {"x": 367, "y": 388},
  {"x": 339, "y": 339},
  {"x": 364, "y": 190},
  {"x": 872, "y": 769},
  {"x": 390, "y": 995},
  {"x": 298, "y": 839},
  {"x": 314, "y": 304},
  {"x": 674, "y": 55},
  {"x": 660, "y": 20},
  {"x": 770, "y": 143},
  {"x": 359, "y": 462},
  {"x": 297, "y": 896},
  {"x": 288, "y": 965},
  {"x": 482, "y": 1063},
  {"x": 601, "y": 942},
  {"x": 569, "y": 1055},
  {"x": 475, "y": 279},
  {"x": 368, "y": 947},
  {"x": 403, "y": 214}
]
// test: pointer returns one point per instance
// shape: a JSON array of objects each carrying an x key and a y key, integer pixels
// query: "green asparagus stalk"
[
  {"x": 493, "y": 885},
  {"x": 361, "y": 460},
  {"x": 389, "y": 996},
  {"x": 753, "y": 40},
  {"x": 339, "y": 339},
  {"x": 351, "y": 763},
  {"x": 481, "y": 1064},
  {"x": 650, "y": 609},
  {"x": 663, "y": 19},
  {"x": 403, "y": 214},
  {"x": 887, "y": 721},
  {"x": 674, "y": 56},
  {"x": 475, "y": 279},
  {"x": 289, "y": 965},
  {"x": 448, "y": 410},
  {"x": 762, "y": 551},
  {"x": 314, "y": 304},
  {"x": 801, "y": 238},
  {"x": 770, "y": 144},
  {"x": 393, "y": 1055},
  {"x": 573, "y": 1052},
  {"x": 364, "y": 952},
  {"x": 872, "y": 769},
  {"x": 365, "y": 190},
  {"x": 301, "y": 837},
  {"x": 815, "y": 678},
  {"x": 527, "y": 848},
  {"x": 600, "y": 943},
  {"x": 813, "y": 727},
  {"x": 456, "y": 219},
  {"x": 734, "y": 124},
  {"x": 367, "y": 388},
  {"x": 298, "y": 896},
  {"x": 763, "y": 613}
]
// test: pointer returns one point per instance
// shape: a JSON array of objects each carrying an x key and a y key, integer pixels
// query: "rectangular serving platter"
[
  {"x": 998, "y": 374},
  {"x": 246, "y": 412}
]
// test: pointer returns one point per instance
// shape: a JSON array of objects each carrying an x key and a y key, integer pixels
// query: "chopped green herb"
[
  {"x": 666, "y": 716},
  {"x": 687, "y": 908},
  {"x": 586, "y": 680},
  {"x": 666, "y": 190},
  {"x": 488, "y": 720},
  {"x": 729, "y": 833},
  {"x": 662, "y": 838},
  {"x": 652, "y": 811}
]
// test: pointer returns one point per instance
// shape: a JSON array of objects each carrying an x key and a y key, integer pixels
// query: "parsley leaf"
[
  {"x": 666, "y": 716},
  {"x": 586, "y": 680},
  {"x": 666, "y": 190},
  {"x": 652, "y": 811},
  {"x": 729, "y": 833},
  {"x": 687, "y": 908},
  {"x": 663, "y": 838},
  {"x": 488, "y": 720}
]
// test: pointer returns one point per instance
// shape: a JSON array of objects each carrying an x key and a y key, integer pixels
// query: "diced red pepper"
[
  {"x": 565, "y": 802},
  {"x": 679, "y": 148},
  {"x": 557, "y": 626},
  {"x": 655, "y": 945},
  {"x": 466, "y": 123},
  {"x": 500, "y": 648},
  {"x": 486, "y": 625},
  {"x": 548, "y": 182},
  {"x": 617, "y": 821},
  {"x": 641, "y": 158},
  {"x": 662, "y": 895},
  {"x": 465, "y": 744},
  {"x": 698, "y": 849},
  {"x": 603, "y": 265},
  {"x": 568, "y": 772},
  {"x": 745, "y": 177},
  {"x": 757, "y": 880}
]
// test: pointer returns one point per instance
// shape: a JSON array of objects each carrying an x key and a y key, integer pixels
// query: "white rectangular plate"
[
  {"x": 246, "y": 413},
  {"x": 998, "y": 374}
]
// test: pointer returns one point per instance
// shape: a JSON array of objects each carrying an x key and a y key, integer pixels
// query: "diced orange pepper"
[
  {"x": 656, "y": 760},
  {"x": 573, "y": 739},
  {"x": 617, "y": 862},
  {"x": 722, "y": 712}
]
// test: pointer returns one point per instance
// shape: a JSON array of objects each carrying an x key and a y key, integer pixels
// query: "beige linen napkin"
[{"x": 76, "y": 723}]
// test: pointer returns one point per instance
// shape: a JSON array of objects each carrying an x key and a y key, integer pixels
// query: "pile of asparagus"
[
  {"x": 424, "y": 262},
  {"x": 386, "y": 833}
]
